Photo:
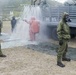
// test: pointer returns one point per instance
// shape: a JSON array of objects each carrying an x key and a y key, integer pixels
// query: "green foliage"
[
  {"x": 71, "y": 2},
  {"x": 53, "y": 3},
  {"x": 16, "y": 3},
  {"x": 16, "y": 13}
]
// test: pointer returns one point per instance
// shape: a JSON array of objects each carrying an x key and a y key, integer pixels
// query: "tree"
[
  {"x": 74, "y": 2},
  {"x": 53, "y": 3},
  {"x": 70, "y": 2}
]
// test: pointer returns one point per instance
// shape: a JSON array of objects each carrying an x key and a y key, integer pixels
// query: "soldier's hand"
[{"x": 60, "y": 42}]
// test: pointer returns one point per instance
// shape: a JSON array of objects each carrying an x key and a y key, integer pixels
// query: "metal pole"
[{"x": 35, "y": 2}]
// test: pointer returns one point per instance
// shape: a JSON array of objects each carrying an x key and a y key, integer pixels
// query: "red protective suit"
[{"x": 34, "y": 28}]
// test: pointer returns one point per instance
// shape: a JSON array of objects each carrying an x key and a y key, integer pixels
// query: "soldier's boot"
[
  {"x": 59, "y": 59},
  {"x": 66, "y": 59},
  {"x": 2, "y": 55},
  {"x": 60, "y": 64}
]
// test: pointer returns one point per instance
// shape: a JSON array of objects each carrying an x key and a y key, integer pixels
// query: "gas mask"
[{"x": 67, "y": 18}]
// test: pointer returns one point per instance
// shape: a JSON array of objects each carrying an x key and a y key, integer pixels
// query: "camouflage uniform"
[
  {"x": 0, "y": 26},
  {"x": 0, "y": 50},
  {"x": 1, "y": 54},
  {"x": 63, "y": 32}
]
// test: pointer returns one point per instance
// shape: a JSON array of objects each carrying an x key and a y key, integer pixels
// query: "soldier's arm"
[
  {"x": 26, "y": 21},
  {"x": 66, "y": 34},
  {"x": 60, "y": 31}
]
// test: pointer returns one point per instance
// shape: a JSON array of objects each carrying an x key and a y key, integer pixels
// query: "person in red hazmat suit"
[{"x": 34, "y": 28}]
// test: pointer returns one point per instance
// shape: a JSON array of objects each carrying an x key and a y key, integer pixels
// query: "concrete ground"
[{"x": 23, "y": 61}]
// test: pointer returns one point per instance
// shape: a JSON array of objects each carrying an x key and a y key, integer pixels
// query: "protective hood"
[
  {"x": 64, "y": 16},
  {"x": 32, "y": 18}
]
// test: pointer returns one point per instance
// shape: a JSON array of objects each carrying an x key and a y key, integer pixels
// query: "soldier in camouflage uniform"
[
  {"x": 1, "y": 54},
  {"x": 63, "y": 32}
]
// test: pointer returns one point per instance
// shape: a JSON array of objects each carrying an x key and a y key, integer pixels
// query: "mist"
[{"x": 3, "y": 3}]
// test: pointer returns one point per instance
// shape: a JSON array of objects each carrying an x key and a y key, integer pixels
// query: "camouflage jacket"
[{"x": 63, "y": 31}]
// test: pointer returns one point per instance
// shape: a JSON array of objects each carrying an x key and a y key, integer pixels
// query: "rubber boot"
[
  {"x": 2, "y": 55},
  {"x": 60, "y": 64}
]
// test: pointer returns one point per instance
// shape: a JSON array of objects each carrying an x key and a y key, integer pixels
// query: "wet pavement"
[
  {"x": 51, "y": 49},
  {"x": 44, "y": 47},
  {"x": 6, "y": 42}
]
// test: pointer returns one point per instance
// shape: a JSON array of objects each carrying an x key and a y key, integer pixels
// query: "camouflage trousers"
[
  {"x": 0, "y": 50},
  {"x": 0, "y": 30},
  {"x": 62, "y": 51}
]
